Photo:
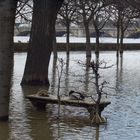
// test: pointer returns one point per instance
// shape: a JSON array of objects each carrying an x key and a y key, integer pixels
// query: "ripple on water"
[{"x": 26, "y": 123}]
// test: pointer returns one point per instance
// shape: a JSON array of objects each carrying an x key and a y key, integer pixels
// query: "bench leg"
[
  {"x": 96, "y": 117},
  {"x": 91, "y": 111},
  {"x": 39, "y": 105}
]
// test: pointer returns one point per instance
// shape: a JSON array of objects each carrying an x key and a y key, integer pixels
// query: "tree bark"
[
  {"x": 54, "y": 47},
  {"x": 7, "y": 17},
  {"x": 118, "y": 40},
  {"x": 41, "y": 42},
  {"x": 68, "y": 37},
  {"x": 121, "y": 43},
  {"x": 97, "y": 47},
  {"x": 88, "y": 46}
]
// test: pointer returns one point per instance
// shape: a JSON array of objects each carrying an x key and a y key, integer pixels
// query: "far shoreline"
[{"x": 22, "y": 47}]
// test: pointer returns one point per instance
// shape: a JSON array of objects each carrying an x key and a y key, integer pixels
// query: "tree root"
[{"x": 97, "y": 119}]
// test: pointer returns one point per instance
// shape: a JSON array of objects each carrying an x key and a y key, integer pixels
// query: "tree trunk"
[
  {"x": 118, "y": 40},
  {"x": 41, "y": 42},
  {"x": 88, "y": 46},
  {"x": 97, "y": 47},
  {"x": 97, "y": 119},
  {"x": 7, "y": 16},
  {"x": 121, "y": 43},
  {"x": 54, "y": 47},
  {"x": 68, "y": 38}
]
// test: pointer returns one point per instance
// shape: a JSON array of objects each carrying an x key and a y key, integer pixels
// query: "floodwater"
[{"x": 123, "y": 114}]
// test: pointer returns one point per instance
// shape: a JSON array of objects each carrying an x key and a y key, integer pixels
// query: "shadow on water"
[
  {"x": 69, "y": 127},
  {"x": 26, "y": 123},
  {"x": 72, "y": 122},
  {"x": 4, "y": 131},
  {"x": 39, "y": 125}
]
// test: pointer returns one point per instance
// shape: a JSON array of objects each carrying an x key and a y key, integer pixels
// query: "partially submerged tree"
[
  {"x": 66, "y": 16},
  {"x": 122, "y": 17},
  {"x": 99, "y": 85},
  {"x": 92, "y": 11},
  {"x": 126, "y": 19},
  {"x": 99, "y": 88},
  {"x": 7, "y": 19},
  {"x": 60, "y": 69},
  {"x": 115, "y": 19},
  {"x": 100, "y": 17},
  {"x": 41, "y": 42},
  {"x": 86, "y": 11}
]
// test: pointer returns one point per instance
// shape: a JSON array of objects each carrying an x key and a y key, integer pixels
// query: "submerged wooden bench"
[{"x": 40, "y": 102}]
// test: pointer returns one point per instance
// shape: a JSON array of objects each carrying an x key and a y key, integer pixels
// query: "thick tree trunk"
[
  {"x": 88, "y": 46},
  {"x": 54, "y": 48},
  {"x": 41, "y": 42},
  {"x": 7, "y": 15}
]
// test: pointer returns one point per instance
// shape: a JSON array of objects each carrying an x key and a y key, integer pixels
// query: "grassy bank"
[{"x": 22, "y": 47}]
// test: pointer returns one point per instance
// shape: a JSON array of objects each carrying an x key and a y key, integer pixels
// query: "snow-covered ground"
[{"x": 81, "y": 40}]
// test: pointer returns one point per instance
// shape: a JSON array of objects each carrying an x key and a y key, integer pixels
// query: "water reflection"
[
  {"x": 53, "y": 84},
  {"x": 119, "y": 73},
  {"x": 69, "y": 127},
  {"x": 19, "y": 121},
  {"x": 26, "y": 123},
  {"x": 39, "y": 125},
  {"x": 87, "y": 70},
  {"x": 97, "y": 133},
  {"x": 67, "y": 73}
]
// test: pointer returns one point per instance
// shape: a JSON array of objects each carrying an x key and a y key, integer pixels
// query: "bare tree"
[
  {"x": 92, "y": 11},
  {"x": 122, "y": 16},
  {"x": 99, "y": 87},
  {"x": 66, "y": 16},
  {"x": 99, "y": 84},
  {"x": 85, "y": 11},
  {"x": 24, "y": 11},
  {"x": 60, "y": 69},
  {"x": 100, "y": 17}
]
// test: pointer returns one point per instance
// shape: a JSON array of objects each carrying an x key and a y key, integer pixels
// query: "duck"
[
  {"x": 76, "y": 95},
  {"x": 43, "y": 93}
]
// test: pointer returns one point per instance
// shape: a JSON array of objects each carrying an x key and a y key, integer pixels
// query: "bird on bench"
[
  {"x": 43, "y": 92},
  {"x": 76, "y": 95}
]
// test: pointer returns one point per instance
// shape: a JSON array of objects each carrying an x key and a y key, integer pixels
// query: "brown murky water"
[{"x": 123, "y": 114}]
